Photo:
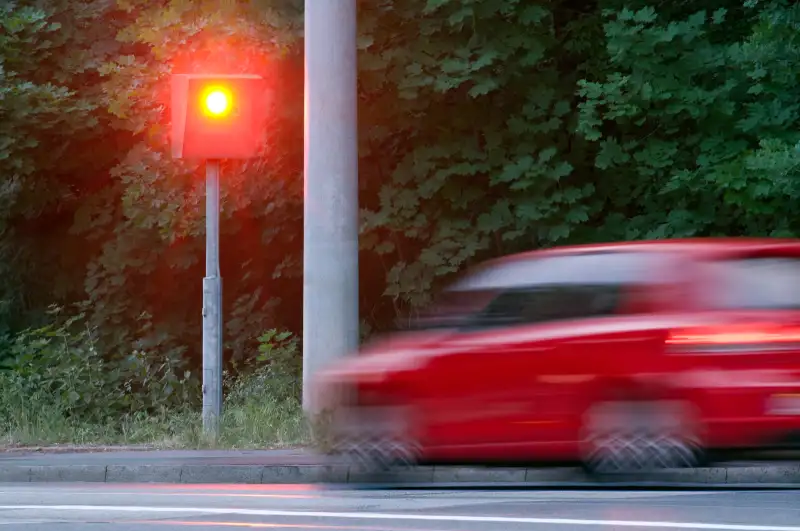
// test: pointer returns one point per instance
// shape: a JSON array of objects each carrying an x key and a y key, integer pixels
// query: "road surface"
[{"x": 104, "y": 507}]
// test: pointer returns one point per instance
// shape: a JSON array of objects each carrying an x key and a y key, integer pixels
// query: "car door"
[
  {"x": 496, "y": 382},
  {"x": 480, "y": 391},
  {"x": 588, "y": 313}
]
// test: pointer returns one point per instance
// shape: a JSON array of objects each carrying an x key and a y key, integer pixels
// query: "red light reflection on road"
[
  {"x": 270, "y": 525},
  {"x": 253, "y": 525}
]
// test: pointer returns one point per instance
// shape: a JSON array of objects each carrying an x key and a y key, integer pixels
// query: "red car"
[{"x": 622, "y": 357}]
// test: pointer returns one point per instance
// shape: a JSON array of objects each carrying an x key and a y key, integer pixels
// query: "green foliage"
[
  {"x": 50, "y": 118},
  {"x": 485, "y": 128},
  {"x": 151, "y": 255},
  {"x": 277, "y": 369},
  {"x": 481, "y": 159},
  {"x": 695, "y": 124},
  {"x": 60, "y": 367},
  {"x": 56, "y": 387},
  {"x": 268, "y": 388}
]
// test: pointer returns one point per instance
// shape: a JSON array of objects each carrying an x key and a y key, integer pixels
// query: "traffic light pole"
[
  {"x": 215, "y": 117},
  {"x": 212, "y": 309},
  {"x": 330, "y": 244}
]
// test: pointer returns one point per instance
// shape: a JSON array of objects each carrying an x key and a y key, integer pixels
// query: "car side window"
[
  {"x": 570, "y": 302},
  {"x": 563, "y": 287},
  {"x": 550, "y": 303},
  {"x": 508, "y": 308}
]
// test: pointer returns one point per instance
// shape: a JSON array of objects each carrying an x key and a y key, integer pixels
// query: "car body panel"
[{"x": 520, "y": 391}]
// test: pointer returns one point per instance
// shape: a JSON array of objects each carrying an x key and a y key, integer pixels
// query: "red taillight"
[{"x": 751, "y": 337}]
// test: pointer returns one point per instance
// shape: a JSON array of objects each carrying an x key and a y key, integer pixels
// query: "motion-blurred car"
[{"x": 623, "y": 357}]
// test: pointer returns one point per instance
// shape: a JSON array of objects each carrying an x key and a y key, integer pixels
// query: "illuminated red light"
[{"x": 217, "y": 101}]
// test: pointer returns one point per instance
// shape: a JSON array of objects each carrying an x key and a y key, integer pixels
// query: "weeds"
[
  {"x": 250, "y": 425},
  {"x": 56, "y": 388}
]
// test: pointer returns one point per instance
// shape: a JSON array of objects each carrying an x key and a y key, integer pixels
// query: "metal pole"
[
  {"x": 212, "y": 309},
  {"x": 330, "y": 261}
]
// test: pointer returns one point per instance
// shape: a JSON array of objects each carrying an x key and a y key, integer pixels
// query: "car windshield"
[{"x": 758, "y": 283}]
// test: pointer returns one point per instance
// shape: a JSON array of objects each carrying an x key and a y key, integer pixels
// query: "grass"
[
  {"x": 252, "y": 426},
  {"x": 254, "y": 420},
  {"x": 56, "y": 388}
]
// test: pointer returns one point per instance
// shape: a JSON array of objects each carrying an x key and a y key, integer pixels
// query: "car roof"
[
  {"x": 691, "y": 246},
  {"x": 697, "y": 248},
  {"x": 512, "y": 268}
]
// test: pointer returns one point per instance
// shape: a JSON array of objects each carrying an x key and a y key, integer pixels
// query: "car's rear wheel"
[
  {"x": 379, "y": 454},
  {"x": 379, "y": 447},
  {"x": 638, "y": 438}
]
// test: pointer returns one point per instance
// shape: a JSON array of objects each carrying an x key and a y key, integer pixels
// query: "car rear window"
[{"x": 757, "y": 283}]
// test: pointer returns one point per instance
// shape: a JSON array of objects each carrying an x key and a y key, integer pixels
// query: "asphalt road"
[{"x": 98, "y": 507}]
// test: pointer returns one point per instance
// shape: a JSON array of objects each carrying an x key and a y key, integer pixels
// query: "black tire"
[
  {"x": 636, "y": 439},
  {"x": 379, "y": 462}
]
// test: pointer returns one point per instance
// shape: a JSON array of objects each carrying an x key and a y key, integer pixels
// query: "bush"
[
  {"x": 277, "y": 368},
  {"x": 60, "y": 365}
]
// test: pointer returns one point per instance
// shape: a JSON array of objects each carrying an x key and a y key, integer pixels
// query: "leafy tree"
[
  {"x": 151, "y": 266},
  {"x": 486, "y": 128},
  {"x": 468, "y": 115},
  {"x": 695, "y": 122},
  {"x": 50, "y": 127}
]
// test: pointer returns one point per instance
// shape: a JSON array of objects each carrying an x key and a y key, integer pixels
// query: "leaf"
[
  {"x": 533, "y": 15},
  {"x": 560, "y": 170},
  {"x": 483, "y": 87},
  {"x": 610, "y": 153},
  {"x": 385, "y": 247},
  {"x": 558, "y": 232},
  {"x": 646, "y": 15}
]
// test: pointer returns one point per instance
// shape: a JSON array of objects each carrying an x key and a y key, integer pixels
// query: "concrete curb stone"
[
  {"x": 82, "y": 473},
  {"x": 342, "y": 474},
  {"x": 15, "y": 474},
  {"x": 295, "y": 474},
  {"x": 764, "y": 474},
  {"x": 470, "y": 475},
  {"x": 245, "y": 475},
  {"x": 143, "y": 474}
]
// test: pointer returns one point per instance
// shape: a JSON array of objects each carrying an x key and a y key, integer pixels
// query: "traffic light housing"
[{"x": 217, "y": 116}]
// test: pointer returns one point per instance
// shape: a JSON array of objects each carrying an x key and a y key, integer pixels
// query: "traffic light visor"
[{"x": 216, "y": 101}]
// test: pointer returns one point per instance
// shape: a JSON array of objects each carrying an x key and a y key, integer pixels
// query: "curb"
[{"x": 785, "y": 475}]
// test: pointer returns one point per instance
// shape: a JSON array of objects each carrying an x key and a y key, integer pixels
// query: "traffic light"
[{"x": 217, "y": 116}]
